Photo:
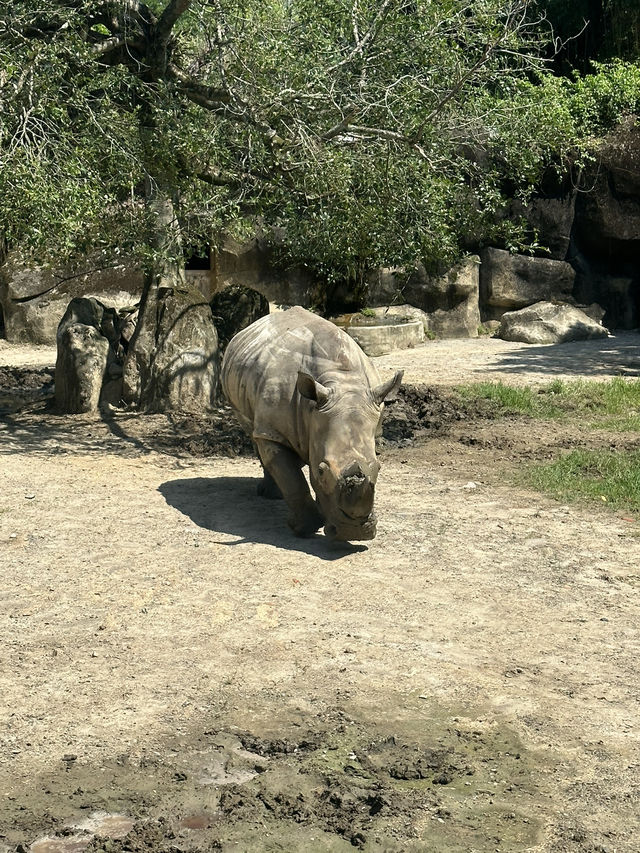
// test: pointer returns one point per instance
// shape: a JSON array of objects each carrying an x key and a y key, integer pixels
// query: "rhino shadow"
[{"x": 230, "y": 505}]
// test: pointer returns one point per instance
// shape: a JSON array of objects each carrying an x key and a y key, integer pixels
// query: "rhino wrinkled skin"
[{"x": 307, "y": 395}]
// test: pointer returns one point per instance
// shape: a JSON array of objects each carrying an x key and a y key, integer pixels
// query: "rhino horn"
[
  {"x": 352, "y": 472},
  {"x": 389, "y": 389},
  {"x": 356, "y": 491}
]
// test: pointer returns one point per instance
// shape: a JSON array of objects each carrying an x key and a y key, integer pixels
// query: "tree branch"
[
  {"x": 172, "y": 12},
  {"x": 208, "y": 97}
]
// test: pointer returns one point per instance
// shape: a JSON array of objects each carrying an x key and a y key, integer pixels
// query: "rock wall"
[
  {"x": 451, "y": 302},
  {"x": 253, "y": 264},
  {"x": 34, "y": 300},
  {"x": 593, "y": 223},
  {"x": 605, "y": 245}
]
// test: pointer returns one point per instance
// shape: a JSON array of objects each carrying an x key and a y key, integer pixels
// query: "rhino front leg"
[
  {"x": 268, "y": 488},
  {"x": 285, "y": 467}
]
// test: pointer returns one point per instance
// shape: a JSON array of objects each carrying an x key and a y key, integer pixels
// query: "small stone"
[{"x": 30, "y": 497}]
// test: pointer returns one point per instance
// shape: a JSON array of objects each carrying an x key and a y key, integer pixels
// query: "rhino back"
[{"x": 261, "y": 365}]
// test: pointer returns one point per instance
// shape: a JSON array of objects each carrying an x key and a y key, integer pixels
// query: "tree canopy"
[{"x": 376, "y": 131}]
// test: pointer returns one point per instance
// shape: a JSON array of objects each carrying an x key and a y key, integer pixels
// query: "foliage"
[
  {"x": 601, "y": 405},
  {"x": 507, "y": 400},
  {"x": 376, "y": 132},
  {"x": 601, "y": 100},
  {"x": 594, "y": 475}
]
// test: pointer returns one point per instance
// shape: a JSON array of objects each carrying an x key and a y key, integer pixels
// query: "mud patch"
[
  {"x": 417, "y": 412},
  {"x": 214, "y": 434},
  {"x": 420, "y": 410},
  {"x": 330, "y": 782},
  {"x": 21, "y": 386}
]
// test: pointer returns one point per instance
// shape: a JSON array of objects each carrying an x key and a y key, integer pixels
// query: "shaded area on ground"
[
  {"x": 618, "y": 356},
  {"x": 231, "y": 506},
  {"x": 36, "y": 428}
]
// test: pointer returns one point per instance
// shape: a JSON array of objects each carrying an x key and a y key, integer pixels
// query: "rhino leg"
[
  {"x": 268, "y": 488},
  {"x": 285, "y": 468}
]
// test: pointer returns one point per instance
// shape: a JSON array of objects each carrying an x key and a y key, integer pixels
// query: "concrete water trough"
[{"x": 381, "y": 334}]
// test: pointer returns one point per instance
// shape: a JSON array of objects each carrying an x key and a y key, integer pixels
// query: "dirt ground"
[{"x": 178, "y": 672}]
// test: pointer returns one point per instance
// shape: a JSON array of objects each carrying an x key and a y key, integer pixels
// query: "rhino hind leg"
[
  {"x": 268, "y": 488},
  {"x": 284, "y": 467}
]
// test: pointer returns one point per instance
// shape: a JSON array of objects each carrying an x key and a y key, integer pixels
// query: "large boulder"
[
  {"x": 509, "y": 282},
  {"x": 549, "y": 323},
  {"x": 235, "y": 308},
  {"x": 172, "y": 362},
  {"x": 33, "y": 300},
  {"x": 82, "y": 355},
  {"x": 450, "y": 301}
]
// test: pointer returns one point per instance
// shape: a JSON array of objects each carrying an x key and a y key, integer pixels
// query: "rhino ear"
[
  {"x": 388, "y": 390},
  {"x": 312, "y": 390}
]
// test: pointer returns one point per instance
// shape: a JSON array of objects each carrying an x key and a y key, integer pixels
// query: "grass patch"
[
  {"x": 611, "y": 405},
  {"x": 596, "y": 475},
  {"x": 591, "y": 475},
  {"x": 605, "y": 405},
  {"x": 509, "y": 400}
]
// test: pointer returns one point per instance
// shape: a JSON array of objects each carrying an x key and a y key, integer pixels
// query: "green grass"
[
  {"x": 508, "y": 400},
  {"x": 599, "y": 475},
  {"x": 591, "y": 475},
  {"x": 611, "y": 405}
]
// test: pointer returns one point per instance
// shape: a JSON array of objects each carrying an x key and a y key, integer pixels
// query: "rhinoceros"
[{"x": 307, "y": 395}]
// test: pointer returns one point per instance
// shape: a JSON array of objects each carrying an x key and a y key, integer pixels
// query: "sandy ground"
[
  {"x": 451, "y": 362},
  {"x": 468, "y": 681}
]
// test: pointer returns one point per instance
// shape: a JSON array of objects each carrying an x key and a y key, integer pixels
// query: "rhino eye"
[{"x": 323, "y": 467}]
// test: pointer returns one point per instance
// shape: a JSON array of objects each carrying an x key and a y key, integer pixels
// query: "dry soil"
[{"x": 178, "y": 672}]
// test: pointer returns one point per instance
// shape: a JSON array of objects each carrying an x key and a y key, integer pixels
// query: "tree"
[{"x": 375, "y": 131}]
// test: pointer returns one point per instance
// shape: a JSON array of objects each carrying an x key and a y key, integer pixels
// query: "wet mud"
[{"x": 425, "y": 780}]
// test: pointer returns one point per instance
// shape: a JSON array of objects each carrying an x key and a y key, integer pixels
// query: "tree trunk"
[{"x": 172, "y": 360}]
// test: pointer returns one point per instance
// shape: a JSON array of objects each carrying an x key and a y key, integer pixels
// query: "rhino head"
[{"x": 342, "y": 453}]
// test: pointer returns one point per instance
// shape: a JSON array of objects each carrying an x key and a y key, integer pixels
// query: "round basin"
[{"x": 379, "y": 335}]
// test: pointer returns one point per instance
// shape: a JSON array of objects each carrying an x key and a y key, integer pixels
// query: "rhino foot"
[{"x": 306, "y": 523}]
